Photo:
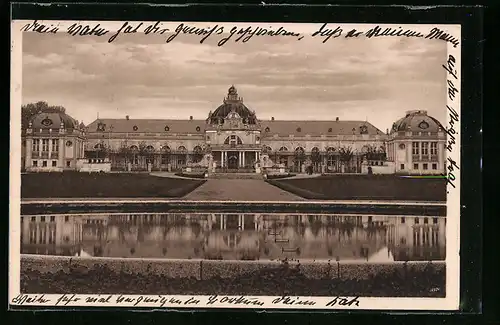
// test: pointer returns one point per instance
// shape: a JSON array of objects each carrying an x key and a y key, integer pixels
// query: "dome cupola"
[
  {"x": 53, "y": 120},
  {"x": 416, "y": 121},
  {"x": 232, "y": 103}
]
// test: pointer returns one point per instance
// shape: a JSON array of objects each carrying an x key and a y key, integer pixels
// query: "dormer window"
[
  {"x": 135, "y": 128},
  {"x": 423, "y": 125},
  {"x": 268, "y": 129},
  {"x": 101, "y": 127},
  {"x": 330, "y": 130},
  {"x": 198, "y": 129},
  {"x": 299, "y": 129},
  {"x": 167, "y": 128},
  {"x": 46, "y": 122}
]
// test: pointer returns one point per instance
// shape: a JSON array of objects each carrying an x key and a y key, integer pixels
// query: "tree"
[
  {"x": 197, "y": 154},
  {"x": 346, "y": 153},
  {"x": 125, "y": 152},
  {"x": 373, "y": 153},
  {"x": 300, "y": 156},
  {"x": 165, "y": 153},
  {"x": 31, "y": 109},
  {"x": 315, "y": 157}
]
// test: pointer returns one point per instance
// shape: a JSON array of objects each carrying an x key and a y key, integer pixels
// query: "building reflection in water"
[{"x": 237, "y": 236}]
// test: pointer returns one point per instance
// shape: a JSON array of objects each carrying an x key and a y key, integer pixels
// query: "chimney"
[
  {"x": 272, "y": 118},
  {"x": 337, "y": 119},
  {"x": 127, "y": 117},
  {"x": 191, "y": 118}
]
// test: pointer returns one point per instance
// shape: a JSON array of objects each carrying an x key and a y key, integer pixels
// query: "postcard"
[{"x": 160, "y": 164}]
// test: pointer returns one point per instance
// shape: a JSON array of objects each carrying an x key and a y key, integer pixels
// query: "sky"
[{"x": 377, "y": 80}]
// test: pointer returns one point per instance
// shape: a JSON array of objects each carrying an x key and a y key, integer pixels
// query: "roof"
[
  {"x": 283, "y": 128},
  {"x": 53, "y": 120},
  {"x": 315, "y": 128},
  {"x": 417, "y": 121},
  {"x": 147, "y": 126}
]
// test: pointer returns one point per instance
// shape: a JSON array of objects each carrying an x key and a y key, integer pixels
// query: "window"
[
  {"x": 55, "y": 146},
  {"x": 52, "y": 218},
  {"x": 403, "y": 220},
  {"x": 164, "y": 160},
  {"x": 415, "y": 148},
  {"x": 36, "y": 145},
  {"x": 35, "y": 163},
  {"x": 52, "y": 235},
  {"x": 45, "y": 145},
  {"x": 425, "y": 166},
  {"x": 208, "y": 138},
  {"x": 434, "y": 166},
  {"x": 66, "y": 218},
  {"x": 415, "y": 166},
  {"x": 402, "y": 166},
  {"x": 426, "y": 221},
  {"x": 44, "y": 163},
  {"x": 425, "y": 148},
  {"x": 416, "y": 221},
  {"x": 33, "y": 219},
  {"x": 42, "y": 219},
  {"x": 135, "y": 161},
  {"x": 434, "y": 149},
  {"x": 435, "y": 221},
  {"x": 54, "y": 163},
  {"x": 68, "y": 163}
]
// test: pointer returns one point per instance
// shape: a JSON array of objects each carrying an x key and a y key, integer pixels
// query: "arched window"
[
  {"x": 267, "y": 149},
  {"x": 182, "y": 149},
  {"x": 99, "y": 146},
  {"x": 299, "y": 150},
  {"x": 134, "y": 148},
  {"x": 283, "y": 149},
  {"x": 233, "y": 139},
  {"x": 150, "y": 148},
  {"x": 330, "y": 150},
  {"x": 165, "y": 148},
  {"x": 197, "y": 149},
  {"x": 315, "y": 150}
]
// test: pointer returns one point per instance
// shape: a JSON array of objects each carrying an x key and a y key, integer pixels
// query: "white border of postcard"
[{"x": 451, "y": 302}]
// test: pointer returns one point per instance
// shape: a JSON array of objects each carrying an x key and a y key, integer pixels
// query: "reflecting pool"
[{"x": 370, "y": 238}]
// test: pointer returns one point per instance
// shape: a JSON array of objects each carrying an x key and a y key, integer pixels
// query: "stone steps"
[{"x": 235, "y": 176}]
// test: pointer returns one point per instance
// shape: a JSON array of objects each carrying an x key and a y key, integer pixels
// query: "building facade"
[
  {"x": 52, "y": 142},
  {"x": 233, "y": 138}
]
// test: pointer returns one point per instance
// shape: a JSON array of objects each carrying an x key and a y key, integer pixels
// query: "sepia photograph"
[{"x": 233, "y": 159}]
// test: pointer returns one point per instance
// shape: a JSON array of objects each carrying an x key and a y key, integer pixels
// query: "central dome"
[{"x": 232, "y": 103}]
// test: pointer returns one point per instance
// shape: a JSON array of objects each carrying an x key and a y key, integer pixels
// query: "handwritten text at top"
[{"x": 324, "y": 32}]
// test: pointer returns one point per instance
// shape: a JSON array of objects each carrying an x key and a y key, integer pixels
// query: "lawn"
[
  {"x": 365, "y": 187},
  {"x": 81, "y": 185}
]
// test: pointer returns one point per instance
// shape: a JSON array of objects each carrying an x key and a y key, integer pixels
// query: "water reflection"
[{"x": 237, "y": 236}]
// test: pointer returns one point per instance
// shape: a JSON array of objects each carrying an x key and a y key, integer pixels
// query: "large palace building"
[{"x": 233, "y": 138}]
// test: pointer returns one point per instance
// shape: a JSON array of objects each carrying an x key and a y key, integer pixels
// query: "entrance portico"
[{"x": 236, "y": 159}]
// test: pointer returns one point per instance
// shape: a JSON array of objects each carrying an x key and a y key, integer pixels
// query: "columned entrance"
[{"x": 233, "y": 160}]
